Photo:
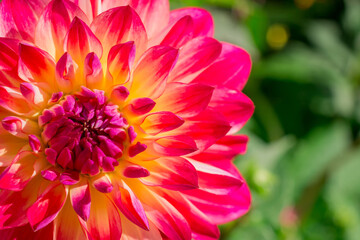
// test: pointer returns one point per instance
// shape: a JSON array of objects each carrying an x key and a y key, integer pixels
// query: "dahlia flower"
[{"x": 118, "y": 121}]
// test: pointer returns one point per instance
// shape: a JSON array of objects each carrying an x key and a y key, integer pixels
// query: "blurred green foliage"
[{"x": 303, "y": 159}]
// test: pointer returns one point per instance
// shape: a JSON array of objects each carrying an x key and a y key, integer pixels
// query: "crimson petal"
[
  {"x": 232, "y": 66},
  {"x": 47, "y": 206},
  {"x": 122, "y": 25},
  {"x": 81, "y": 200},
  {"x": 80, "y": 41},
  {"x": 185, "y": 100},
  {"x": 20, "y": 172},
  {"x": 53, "y": 25},
  {"x": 174, "y": 173},
  {"x": 202, "y": 20},
  {"x": 150, "y": 74},
  {"x": 129, "y": 204}
]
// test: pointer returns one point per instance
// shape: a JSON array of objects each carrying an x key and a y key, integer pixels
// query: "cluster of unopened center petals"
[{"x": 118, "y": 121}]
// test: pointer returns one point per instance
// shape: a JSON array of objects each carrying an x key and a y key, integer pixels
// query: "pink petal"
[
  {"x": 122, "y": 25},
  {"x": 140, "y": 106},
  {"x": 205, "y": 129},
  {"x": 110, "y": 148},
  {"x": 84, "y": 155},
  {"x": 69, "y": 177},
  {"x": 216, "y": 180},
  {"x": 202, "y": 20},
  {"x": 47, "y": 207},
  {"x": 65, "y": 73},
  {"x": 93, "y": 72},
  {"x": 174, "y": 173},
  {"x": 221, "y": 208},
  {"x": 65, "y": 158},
  {"x": 91, "y": 8},
  {"x": 55, "y": 97},
  {"x": 81, "y": 200},
  {"x": 50, "y": 174},
  {"x": 14, "y": 204},
  {"x": 10, "y": 78},
  {"x": 46, "y": 117},
  {"x": 119, "y": 94},
  {"x": 224, "y": 149},
  {"x": 106, "y": 163},
  {"x": 185, "y": 100},
  {"x": 13, "y": 101},
  {"x": 51, "y": 155},
  {"x": 235, "y": 106},
  {"x": 182, "y": 29},
  {"x": 118, "y": 134},
  {"x": 80, "y": 41},
  {"x": 160, "y": 122},
  {"x": 120, "y": 60},
  {"x": 150, "y": 74},
  {"x": 8, "y": 53},
  {"x": 132, "y": 134},
  {"x": 200, "y": 224},
  {"x": 174, "y": 145},
  {"x": 132, "y": 231},
  {"x": 90, "y": 167},
  {"x": 9, "y": 147},
  {"x": 29, "y": 91},
  {"x": 149, "y": 10},
  {"x": 20, "y": 172},
  {"x": 129, "y": 204},
  {"x": 136, "y": 149},
  {"x": 33, "y": 94},
  {"x": 20, "y": 127},
  {"x": 102, "y": 183},
  {"x": 58, "y": 144},
  {"x": 135, "y": 171},
  {"x": 8, "y": 62},
  {"x": 179, "y": 33},
  {"x": 235, "y": 144},
  {"x": 54, "y": 24},
  {"x": 26, "y": 232},
  {"x": 104, "y": 221},
  {"x": 232, "y": 67},
  {"x": 8, "y": 28},
  {"x": 19, "y": 18},
  {"x": 34, "y": 143},
  {"x": 194, "y": 56},
  {"x": 36, "y": 65},
  {"x": 165, "y": 216},
  {"x": 67, "y": 224}
]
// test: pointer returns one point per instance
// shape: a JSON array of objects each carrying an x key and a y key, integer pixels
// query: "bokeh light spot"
[{"x": 277, "y": 36}]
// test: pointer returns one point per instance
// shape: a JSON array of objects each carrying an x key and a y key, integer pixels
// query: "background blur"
[{"x": 303, "y": 160}]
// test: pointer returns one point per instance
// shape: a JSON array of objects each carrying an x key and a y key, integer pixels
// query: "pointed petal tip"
[
  {"x": 34, "y": 143},
  {"x": 103, "y": 184},
  {"x": 136, "y": 171},
  {"x": 81, "y": 200},
  {"x": 137, "y": 149}
]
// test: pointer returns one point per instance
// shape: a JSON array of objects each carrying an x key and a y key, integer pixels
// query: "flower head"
[{"x": 117, "y": 121}]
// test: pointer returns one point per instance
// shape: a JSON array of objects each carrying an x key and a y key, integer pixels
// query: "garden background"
[{"x": 303, "y": 159}]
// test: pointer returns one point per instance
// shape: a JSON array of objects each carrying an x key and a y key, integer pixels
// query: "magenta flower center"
[{"x": 86, "y": 133}]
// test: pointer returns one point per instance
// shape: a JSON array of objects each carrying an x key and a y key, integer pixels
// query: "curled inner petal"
[{"x": 85, "y": 133}]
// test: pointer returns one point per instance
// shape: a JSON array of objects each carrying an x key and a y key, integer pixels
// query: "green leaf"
[
  {"x": 301, "y": 64},
  {"x": 326, "y": 37},
  {"x": 228, "y": 29},
  {"x": 317, "y": 151},
  {"x": 343, "y": 194},
  {"x": 351, "y": 17}
]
